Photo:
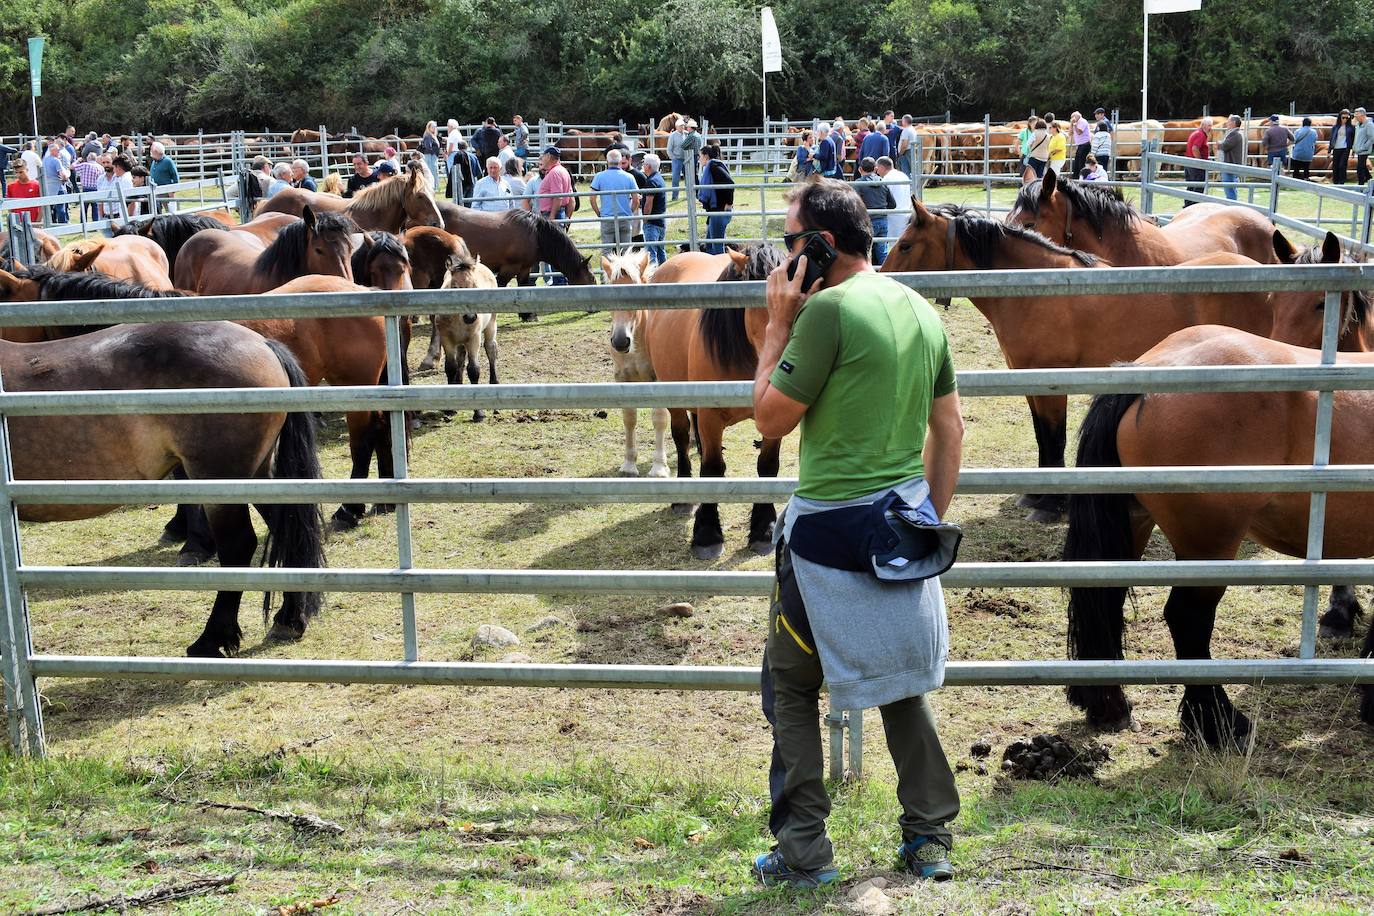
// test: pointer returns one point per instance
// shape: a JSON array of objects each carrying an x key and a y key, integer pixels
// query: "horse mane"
[
  {"x": 620, "y": 266},
  {"x": 171, "y": 231},
  {"x": 384, "y": 196},
  {"x": 723, "y": 331},
  {"x": 58, "y": 286},
  {"x": 374, "y": 245},
  {"x": 1359, "y": 298},
  {"x": 69, "y": 253},
  {"x": 1102, "y": 207},
  {"x": 554, "y": 245},
  {"x": 981, "y": 238},
  {"x": 285, "y": 258}
]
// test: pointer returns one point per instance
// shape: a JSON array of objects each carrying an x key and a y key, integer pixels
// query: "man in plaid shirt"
[{"x": 89, "y": 172}]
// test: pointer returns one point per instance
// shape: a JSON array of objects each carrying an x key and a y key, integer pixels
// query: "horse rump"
[
  {"x": 1099, "y": 529},
  {"x": 295, "y": 532}
]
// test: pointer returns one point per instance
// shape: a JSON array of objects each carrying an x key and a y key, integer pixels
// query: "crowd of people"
[{"x": 66, "y": 164}]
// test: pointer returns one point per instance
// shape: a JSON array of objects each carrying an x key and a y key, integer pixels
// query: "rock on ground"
[{"x": 491, "y": 635}]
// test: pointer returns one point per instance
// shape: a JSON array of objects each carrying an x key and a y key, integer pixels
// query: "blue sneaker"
[
  {"x": 771, "y": 870},
  {"x": 926, "y": 857}
]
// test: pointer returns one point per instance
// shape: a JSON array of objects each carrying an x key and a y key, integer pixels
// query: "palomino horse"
[
  {"x": 219, "y": 262},
  {"x": 462, "y": 335},
  {"x": 714, "y": 345},
  {"x": 1262, "y": 428},
  {"x": 632, "y": 363},
  {"x": 1037, "y": 332},
  {"x": 436, "y": 257},
  {"x": 390, "y": 205},
  {"x": 203, "y": 354},
  {"x": 1101, "y": 222},
  {"x": 127, "y": 257}
]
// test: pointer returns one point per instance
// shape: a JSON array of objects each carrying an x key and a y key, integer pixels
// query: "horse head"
[
  {"x": 925, "y": 244},
  {"x": 1299, "y": 315},
  {"x": 328, "y": 243},
  {"x": 619, "y": 269},
  {"x": 14, "y": 288},
  {"x": 382, "y": 262},
  {"x": 419, "y": 203}
]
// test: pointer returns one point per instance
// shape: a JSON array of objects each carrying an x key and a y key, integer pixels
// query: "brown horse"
[
  {"x": 1101, "y": 222},
  {"x": 439, "y": 260},
  {"x": 204, "y": 354},
  {"x": 45, "y": 283},
  {"x": 219, "y": 262},
  {"x": 1264, "y": 428},
  {"x": 127, "y": 257},
  {"x": 171, "y": 231},
  {"x": 461, "y": 336},
  {"x": 512, "y": 242},
  {"x": 1298, "y": 315},
  {"x": 713, "y": 345},
  {"x": 1037, "y": 332},
  {"x": 390, "y": 205}
]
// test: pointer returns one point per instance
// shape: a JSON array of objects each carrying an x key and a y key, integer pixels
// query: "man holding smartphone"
[{"x": 863, "y": 365}]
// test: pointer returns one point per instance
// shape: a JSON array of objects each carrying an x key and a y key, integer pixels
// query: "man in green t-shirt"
[{"x": 862, "y": 364}]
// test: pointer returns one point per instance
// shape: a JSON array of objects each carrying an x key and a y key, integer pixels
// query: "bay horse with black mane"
[
  {"x": 1043, "y": 332},
  {"x": 202, "y": 354},
  {"x": 713, "y": 345},
  {"x": 221, "y": 262}
]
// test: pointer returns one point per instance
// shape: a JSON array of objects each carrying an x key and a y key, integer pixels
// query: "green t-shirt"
[{"x": 868, "y": 357}]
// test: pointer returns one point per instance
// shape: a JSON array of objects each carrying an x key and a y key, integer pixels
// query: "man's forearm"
[
  {"x": 774, "y": 343},
  {"x": 943, "y": 455}
]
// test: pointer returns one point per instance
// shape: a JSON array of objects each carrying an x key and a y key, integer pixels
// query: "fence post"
[
  {"x": 1292, "y": 109},
  {"x": 1146, "y": 164},
  {"x": 917, "y": 169},
  {"x": 835, "y": 719},
  {"x": 690, "y": 173},
  {"x": 324, "y": 152},
  {"x": 1321, "y": 455},
  {"x": 223, "y": 192},
  {"x": 1274, "y": 168},
  {"x": 200, "y": 176},
  {"x": 1368, "y": 202},
  {"x": 1245, "y": 159},
  {"x": 987, "y": 161},
  {"x": 856, "y": 743},
  {"x": 21, "y": 692},
  {"x": 395, "y": 359}
]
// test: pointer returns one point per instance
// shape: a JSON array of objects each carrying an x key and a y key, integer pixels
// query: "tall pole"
[
  {"x": 767, "y": 153},
  {"x": 34, "y": 99},
  {"x": 1145, "y": 76}
]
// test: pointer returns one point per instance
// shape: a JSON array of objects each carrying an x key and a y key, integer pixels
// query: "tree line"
[{"x": 177, "y": 65}]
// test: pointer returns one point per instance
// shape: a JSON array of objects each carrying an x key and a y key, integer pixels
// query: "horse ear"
[
  {"x": 739, "y": 258},
  {"x": 1027, "y": 176},
  {"x": 1047, "y": 184},
  {"x": 1331, "y": 249},
  {"x": 1287, "y": 254},
  {"x": 605, "y": 266},
  {"x": 919, "y": 214},
  {"x": 85, "y": 260},
  {"x": 308, "y": 215}
]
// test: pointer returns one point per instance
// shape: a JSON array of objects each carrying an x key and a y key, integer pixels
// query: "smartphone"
[{"x": 820, "y": 254}]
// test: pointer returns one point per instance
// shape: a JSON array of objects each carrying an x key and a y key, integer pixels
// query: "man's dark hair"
[
  {"x": 834, "y": 206},
  {"x": 712, "y": 150},
  {"x": 867, "y": 164},
  {"x": 888, "y": 113},
  {"x": 139, "y": 171},
  {"x": 885, "y": 161},
  {"x": 123, "y": 162}
]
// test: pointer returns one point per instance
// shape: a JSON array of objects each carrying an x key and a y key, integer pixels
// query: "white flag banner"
[
  {"x": 1155, "y": 7},
  {"x": 772, "y": 46}
]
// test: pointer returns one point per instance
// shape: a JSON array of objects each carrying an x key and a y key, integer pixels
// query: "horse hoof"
[
  {"x": 1028, "y": 501},
  {"x": 200, "y": 649},
  {"x": 425, "y": 365},
  {"x": 1045, "y": 517},
  {"x": 478, "y": 416},
  {"x": 383, "y": 509},
  {"x": 414, "y": 423},
  {"x": 762, "y": 548},
  {"x": 682, "y": 510},
  {"x": 707, "y": 551},
  {"x": 660, "y": 471},
  {"x": 629, "y": 470},
  {"x": 169, "y": 539},
  {"x": 280, "y": 632},
  {"x": 192, "y": 558},
  {"x": 343, "y": 520}
]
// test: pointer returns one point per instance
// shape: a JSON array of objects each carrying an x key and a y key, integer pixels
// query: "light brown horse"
[
  {"x": 1101, "y": 222},
  {"x": 1298, "y": 315},
  {"x": 205, "y": 354},
  {"x": 632, "y": 363},
  {"x": 461, "y": 336},
  {"x": 219, "y": 262},
  {"x": 1038, "y": 332},
  {"x": 439, "y": 260},
  {"x": 390, "y": 205},
  {"x": 1207, "y": 428},
  {"x": 713, "y": 345},
  {"x": 128, "y": 257}
]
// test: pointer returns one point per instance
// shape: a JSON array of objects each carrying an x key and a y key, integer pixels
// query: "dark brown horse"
[
  {"x": 206, "y": 354},
  {"x": 1298, "y": 315},
  {"x": 390, "y": 205},
  {"x": 219, "y": 262},
  {"x": 512, "y": 242},
  {"x": 1041, "y": 332},
  {"x": 713, "y": 345},
  {"x": 1207, "y": 428}
]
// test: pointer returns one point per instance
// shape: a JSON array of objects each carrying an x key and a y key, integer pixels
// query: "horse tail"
[
  {"x": 1099, "y": 529},
  {"x": 727, "y": 341},
  {"x": 295, "y": 533}
]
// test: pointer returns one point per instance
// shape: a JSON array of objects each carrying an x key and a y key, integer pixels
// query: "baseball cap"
[
  {"x": 1273, "y": 117},
  {"x": 386, "y": 168},
  {"x": 553, "y": 151}
]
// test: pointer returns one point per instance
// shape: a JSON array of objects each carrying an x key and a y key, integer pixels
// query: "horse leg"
[
  {"x": 659, "y": 468},
  {"x": 1049, "y": 416},
  {"x": 763, "y": 515},
  {"x": 682, "y": 440},
  {"x": 1205, "y": 713},
  {"x": 174, "y": 532},
  {"x": 708, "y": 540},
  {"x": 630, "y": 417},
  {"x": 432, "y": 354},
  {"x": 1342, "y": 612},
  {"x": 1367, "y": 690},
  {"x": 200, "y": 540},
  {"x": 523, "y": 279},
  {"x": 233, "y": 532},
  {"x": 473, "y": 376},
  {"x": 362, "y": 436}
]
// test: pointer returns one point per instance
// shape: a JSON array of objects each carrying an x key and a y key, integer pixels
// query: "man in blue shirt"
[
  {"x": 875, "y": 146},
  {"x": 655, "y": 205},
  {"x": 55, "y": 176},
  {"x": 616, "y": 201}
]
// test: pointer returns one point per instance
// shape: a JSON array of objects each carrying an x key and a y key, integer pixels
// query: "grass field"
[{"x": 524, "y": 801}]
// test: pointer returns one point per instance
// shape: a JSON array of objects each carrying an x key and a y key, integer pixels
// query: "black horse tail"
[
  {"x": 1099, "y": 529},
  {"x": 295, "y": 533},
  {"x": 725, "y": 337}
]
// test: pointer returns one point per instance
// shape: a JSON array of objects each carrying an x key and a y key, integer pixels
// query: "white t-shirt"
[
  {"x": 909, "y": 135},
  {"x": 902, "y": 192},
  {"x": 505, "y": 155},
  {"x": 35, "y": 164},
  {"x": 453, "y": 137}
]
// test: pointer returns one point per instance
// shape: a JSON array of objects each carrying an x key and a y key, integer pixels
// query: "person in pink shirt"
[
  {"x": 556, "y": 180},
  {"x": 1080, "y": 135}
]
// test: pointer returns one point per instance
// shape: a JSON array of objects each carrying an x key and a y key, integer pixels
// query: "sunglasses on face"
[{"x": 790, "y": 239}]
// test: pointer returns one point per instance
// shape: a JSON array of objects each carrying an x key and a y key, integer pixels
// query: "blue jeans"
[
  {"x": 715, "y": 232},
  {"x": 653, "y": 234},
  {"x": 1281, "y": 157},
  {"x": 879, "y": 231},
  {"x": 433, "y": 163},
  {"x": 1228, "y": 184},
  {"x": 679, "y": 171},
  {"x": 59, "y": 213}
]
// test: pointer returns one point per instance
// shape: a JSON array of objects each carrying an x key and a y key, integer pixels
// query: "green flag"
[{"x": 36, "y": 66}]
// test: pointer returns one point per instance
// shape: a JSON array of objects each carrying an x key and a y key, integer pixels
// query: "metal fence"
[{"x": 22, "y": 665}]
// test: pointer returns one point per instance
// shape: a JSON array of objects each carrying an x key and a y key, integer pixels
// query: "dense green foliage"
[{"x": 182, "y": 64}]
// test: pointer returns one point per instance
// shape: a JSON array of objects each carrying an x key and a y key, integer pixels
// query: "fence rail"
[{"x": 22, "y": 665}]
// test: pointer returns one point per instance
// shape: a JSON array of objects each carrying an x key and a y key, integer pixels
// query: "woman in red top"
[{"x": 24, "y": 186}]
